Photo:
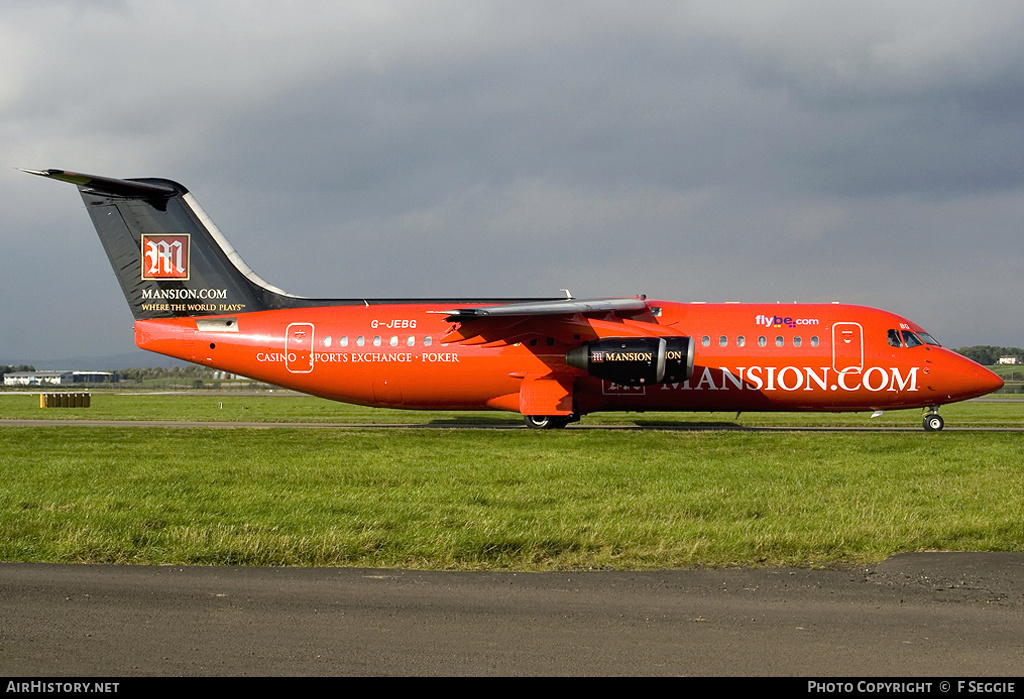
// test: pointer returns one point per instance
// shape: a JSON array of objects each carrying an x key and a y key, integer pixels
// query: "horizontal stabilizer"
[{"x": 108, "y": 185}]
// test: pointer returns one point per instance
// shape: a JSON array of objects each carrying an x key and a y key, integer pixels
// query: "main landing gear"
[
  {"x": 550, "y": 422},
  {"x": 932, "y": 420}
]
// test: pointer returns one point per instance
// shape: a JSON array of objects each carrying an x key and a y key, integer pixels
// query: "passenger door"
[
  {"x": 298, "y": 348},
  {"x": 847, "y": 347}
]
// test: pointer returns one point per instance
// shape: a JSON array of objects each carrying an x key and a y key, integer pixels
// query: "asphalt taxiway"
[{"x": 924, "y": 614}]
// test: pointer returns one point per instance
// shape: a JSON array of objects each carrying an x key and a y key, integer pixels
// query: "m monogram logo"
[{"x": 165, "y": 256}]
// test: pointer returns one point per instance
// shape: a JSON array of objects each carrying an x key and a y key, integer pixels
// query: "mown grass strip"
[{"x": 484, "y": 499}]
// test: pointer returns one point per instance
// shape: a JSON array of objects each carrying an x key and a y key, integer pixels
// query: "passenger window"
[
  {"x": 780, "y": 341},
  {"x": 762, "y": 341},
  {"x": 427, "y": 341},
  {"x": 705, "y": 341},
  {"x": 360, "y": 341},
  {"x": 741, "y": 341},
  {"x": 723, "y": 341},
  {"x": 814, "y": 341},
  {"x": 411, "y": 341},
  {"x": 327, "y": 341},
  {"x": 797, "y": 341},
  {"x": 343, "y": 341},
  {"x": 376, "y": 340}
]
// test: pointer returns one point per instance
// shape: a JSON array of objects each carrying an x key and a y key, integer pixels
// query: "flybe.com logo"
[
  {"x": 778, "y": 321},
  {"x": 165, "y": 256}
]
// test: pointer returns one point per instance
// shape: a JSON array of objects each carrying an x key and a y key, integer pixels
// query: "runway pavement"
[{"x": 929, "y": 614}]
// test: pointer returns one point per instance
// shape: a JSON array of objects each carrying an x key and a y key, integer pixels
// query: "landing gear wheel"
[
  {"x": 933, "y": 422},
  {"x": 546, "y": 422}
]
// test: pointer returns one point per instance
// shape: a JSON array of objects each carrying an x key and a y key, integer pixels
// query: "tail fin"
[{"x": 169, "y": 257}]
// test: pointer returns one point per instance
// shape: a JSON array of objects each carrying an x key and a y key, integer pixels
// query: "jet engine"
[{"x": 635, "y": 361}]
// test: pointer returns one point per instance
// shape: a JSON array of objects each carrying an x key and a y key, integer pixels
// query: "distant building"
[
  {"x": 58, "y": 378},
  {"x": 219, "y": 375},
  {"x": 1008, "y": 360}
]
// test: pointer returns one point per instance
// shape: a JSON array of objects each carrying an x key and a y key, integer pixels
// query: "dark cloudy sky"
[{"x": 865, "y": 152}]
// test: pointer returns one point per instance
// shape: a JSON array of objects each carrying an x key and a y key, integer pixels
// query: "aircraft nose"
[
  {"x": 976, "y": 380},
  {"x": 960, "y": 378},
  {"x": 988, "y": 380}
]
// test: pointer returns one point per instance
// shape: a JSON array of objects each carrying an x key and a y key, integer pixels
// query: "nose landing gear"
[{"x": 932, "y": 420}]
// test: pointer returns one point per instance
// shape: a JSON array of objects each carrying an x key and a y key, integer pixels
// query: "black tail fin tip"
[{"x": 169, "y": 257}]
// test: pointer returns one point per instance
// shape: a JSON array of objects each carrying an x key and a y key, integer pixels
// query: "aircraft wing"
[
  {"x": 570, "y": 321},
  {"x": 627, "y": 306}
]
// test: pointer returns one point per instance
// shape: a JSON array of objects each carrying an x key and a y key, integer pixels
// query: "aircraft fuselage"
[{"x": 818, "y": 357}]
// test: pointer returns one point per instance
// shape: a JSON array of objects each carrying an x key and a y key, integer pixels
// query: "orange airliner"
[{"x": 552, "y": 360}]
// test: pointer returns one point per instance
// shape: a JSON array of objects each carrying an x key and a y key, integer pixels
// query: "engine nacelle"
[{"x": 635, "y": 361}]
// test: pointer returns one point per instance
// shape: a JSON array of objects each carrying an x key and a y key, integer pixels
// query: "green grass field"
[{"x": 498, "y": 499}]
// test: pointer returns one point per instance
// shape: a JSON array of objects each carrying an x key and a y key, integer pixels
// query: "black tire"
[
  {"x": 933, "y": 422},
  {"x": 546, "y": 422}
]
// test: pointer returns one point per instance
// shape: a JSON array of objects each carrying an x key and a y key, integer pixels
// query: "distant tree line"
[
  {"x": 987, "y": 355},
  {"x": 13, "y": 368},
  {"x": 192, "y": 371}
]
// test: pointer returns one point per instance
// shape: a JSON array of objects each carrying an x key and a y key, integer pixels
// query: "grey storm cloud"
[{"x": 862, "y": 152}]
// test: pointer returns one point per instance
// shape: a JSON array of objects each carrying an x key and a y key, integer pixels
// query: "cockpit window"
[
  {"x": 906, "y": 338},
  {"x": 911, "y": 339}
]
